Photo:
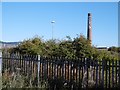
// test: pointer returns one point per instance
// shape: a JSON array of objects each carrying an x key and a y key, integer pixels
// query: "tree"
[
  {"x": 82, "y": 47},
  {"x": 78, "y": 47},
  {"x": 113, "y": 48},
  {"x": 31, "y": 46},
  {"x": 52, "y": 48}
]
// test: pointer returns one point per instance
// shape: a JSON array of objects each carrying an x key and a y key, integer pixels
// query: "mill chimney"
[{"x": 89, "y": 28}]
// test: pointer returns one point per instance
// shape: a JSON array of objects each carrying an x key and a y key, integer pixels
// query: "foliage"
[
  {"x": 78, "y": 47},
  {"x": 18, "y": 80},
  {"x": 114, "y": 49}
]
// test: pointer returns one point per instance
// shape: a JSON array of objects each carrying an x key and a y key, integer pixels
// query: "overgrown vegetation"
[
  {"x": 18, "y": 80},
  {"x": 68, "y": 48},
  {"x": 78, "y": 47}
]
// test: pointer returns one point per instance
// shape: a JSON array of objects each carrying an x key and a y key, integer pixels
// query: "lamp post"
[{"x": 52, "y": 27}]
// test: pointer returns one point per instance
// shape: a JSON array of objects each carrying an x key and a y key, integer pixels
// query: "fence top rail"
[{"x": 54, "y": 58}]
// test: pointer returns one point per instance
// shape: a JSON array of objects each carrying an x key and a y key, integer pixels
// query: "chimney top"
[{"x": 89, "y": 14}]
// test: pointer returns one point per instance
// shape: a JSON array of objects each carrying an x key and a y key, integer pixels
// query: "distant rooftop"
[
  {"x": 102, "y": 48},
  {"x": 9, "y": 44}
]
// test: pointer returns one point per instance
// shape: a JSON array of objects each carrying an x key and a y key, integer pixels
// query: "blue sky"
[
  {"x": 119, "y": 25},
  {"x": 24, "y": 20}
]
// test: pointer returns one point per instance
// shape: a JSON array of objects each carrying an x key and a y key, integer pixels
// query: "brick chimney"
[{"x": 89, "y": 28}]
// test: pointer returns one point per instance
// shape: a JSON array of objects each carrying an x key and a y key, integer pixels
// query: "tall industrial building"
[{"x": 89, "y": 28}]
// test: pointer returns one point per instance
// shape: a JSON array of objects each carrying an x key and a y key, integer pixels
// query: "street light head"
[{"x": 52, "y": 21}]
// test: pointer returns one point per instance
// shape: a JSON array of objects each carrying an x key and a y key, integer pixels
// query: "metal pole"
[
  {"x": 38, "y": 68},
  {"x": 52, "y": 28},
  {"x": 52, "y": 31}
]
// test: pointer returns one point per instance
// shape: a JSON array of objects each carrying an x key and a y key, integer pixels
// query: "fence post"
[
  {"x": 12, "y": 61},
  {"x": 0, "y": 63},
  {"x": 112, "y": 73},
  {"x": 38, "y": 68},
  {"x": 119, "y": 73},
  {"x": 97, "y": 73},
  {"x": 0, "y": 69},
  {"x": 103, "y": 72}
]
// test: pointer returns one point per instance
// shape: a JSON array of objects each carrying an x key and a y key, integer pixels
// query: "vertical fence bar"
[
  {"x": 86, "y": 68},
  {"x": 29, "y": 71},
  {"x": 72, "y": 74},
  {"x": 0, "y": 69},
  {"x": 17, "y": 61},
  {"x": 20, "y": 60},
  {"x": 100, "y": 73},
  {"x": 38, "y": 69},
  {"x": 80, "y": 65},
  {"x": 7, "y": 60},
  {"x": 109, "y": 73},
  {"x": 112, "y": 73},
  {"x": 96, "y": 73},
  {"x": 28, "y": 65},
  {"x": 68, "y": 70},
  {"x": 71, "y": 71},
  {"x": 94, "y": 69},
  {"x": 6, "y": 64},
  {"x": 103, "y": 73},
  {"x": 73, "y": 68},
  {"x": 11, "y": 57},
  {"x": 119, "y": 73},
  {"x": 106, "y": 73},
  {"x": 58, "y": 67},
  {"x": 116, "y": 72},
  {"x": 92, "y": 66},
  {"x": 4, "y": 59},
  {"x": 52, "y": 67},
  {"x": 26, "y": 60},
  {"x": 47, "y": 71},
  {"x": 24, "y": 64},
  {"x": 62, "y": 69},
  {"x": 85, "y": 64},
  {"x": 1, "y": 64},
  {"x": 77, "y": 70},
  {"x": 49, "y": 67},
  {"x": 55, "y": 67},
  {"x": 31, "y": 66}
]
